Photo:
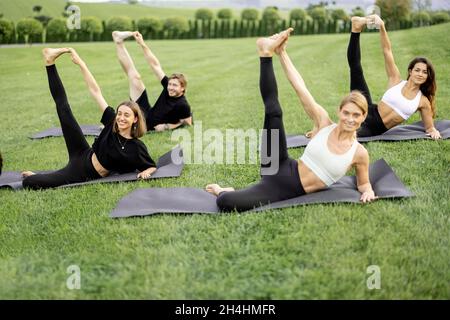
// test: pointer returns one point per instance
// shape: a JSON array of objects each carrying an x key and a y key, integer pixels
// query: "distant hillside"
[{"x": 15, "y": 10}]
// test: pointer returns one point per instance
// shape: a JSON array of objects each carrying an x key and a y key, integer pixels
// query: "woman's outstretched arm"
[
  {"x": 362, "y": 175},
  {"x": 392, "y": 71},
  {"x": 93, "y": 87},
  {"x": 427, "y": 118},
  {"x": 315, "y": 111}
]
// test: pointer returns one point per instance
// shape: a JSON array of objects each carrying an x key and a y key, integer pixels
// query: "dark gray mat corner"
[
  {"x": 87, "y": 129},
  {"x": 147, "y": 201},
  {"x": 167, "y": 168},
  {"x": 404, "y": 132}
]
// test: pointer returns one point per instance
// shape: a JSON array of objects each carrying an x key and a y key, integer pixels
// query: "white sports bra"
[
  {"x": 394, "y": 98},
  {"x": 327, "y": 166}
]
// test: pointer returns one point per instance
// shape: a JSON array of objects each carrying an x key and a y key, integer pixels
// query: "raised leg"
[{"x": 137, "y": 87}]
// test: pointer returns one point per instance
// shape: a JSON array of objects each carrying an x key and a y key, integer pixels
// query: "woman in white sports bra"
[
  {"x": 403, "y": 97},
  {"x": 329, "y": 155}
]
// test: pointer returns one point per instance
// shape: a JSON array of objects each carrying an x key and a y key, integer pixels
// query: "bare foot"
[
  {"x": 267, "y": 46},
  {"x": 50, "y": 54},
  {"x": 27, "y": 174},
  {"x": 358, "y": 23},
  {"x": 75, "y": 57},
  {"x": 374, "y": 21},
  {"x": 119, "y": 36},
  {"x": 215, "y": 189}
]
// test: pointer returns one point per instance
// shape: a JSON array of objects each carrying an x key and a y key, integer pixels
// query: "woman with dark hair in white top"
[
  {"x": 403, "y": 97},
  {"x": 332, "y": 151}
]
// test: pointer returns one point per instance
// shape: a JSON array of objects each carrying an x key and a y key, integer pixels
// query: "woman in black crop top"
[{"x": 117, "y": 149}]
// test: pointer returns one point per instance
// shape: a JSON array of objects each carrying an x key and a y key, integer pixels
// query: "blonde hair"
[
  {"x": 139, "y": 128},
  {"x": 357, "y": 98}
]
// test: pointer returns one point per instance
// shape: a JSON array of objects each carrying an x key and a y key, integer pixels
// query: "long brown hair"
[
  {"x": 139, "y": 128},
  {"x": 428, "y": 88}
]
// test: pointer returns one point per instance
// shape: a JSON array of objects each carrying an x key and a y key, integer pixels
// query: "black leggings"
[
  {"x": 285, "y": 184},
  {"x": 373, "y": 125},
  {"x": 80, "y": 166}
]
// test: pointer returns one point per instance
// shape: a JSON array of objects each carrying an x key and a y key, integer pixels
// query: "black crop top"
[{"x": 119, "y": 154}]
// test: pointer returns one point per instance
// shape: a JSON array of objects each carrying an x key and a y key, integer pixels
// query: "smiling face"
[
  {"x": 419, "y": 73},
  {"x": 125, "y": 118},
  {"x": 175, "y": 88},
  {"x": 350, "y": 117}
]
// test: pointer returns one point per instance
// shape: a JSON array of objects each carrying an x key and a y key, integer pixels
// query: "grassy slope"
[
  {"x": 15, "y": 10},
  {"x": 319, "y": 251},
  {"x": 23, "y": 8}
]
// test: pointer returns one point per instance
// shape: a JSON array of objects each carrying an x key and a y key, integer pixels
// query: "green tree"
[
  {"x": 37, "y": 8},
  {"x": 225, "y": 14},
  {"x": 319, "y": 14},
  {"x": 394, "y": 12},
  {"x": 148, "y": 26},
  {"x": 57, "y": 30},
  {"x": 91, "y": 26},
  {"x": 43, "y": 19},
  {"x": 421, "y": 18},
  {"x": 6, "y": 30},
  {"x": 271, "y": 17},
  {"x": 119, "y": 23},
  {"x": 358, "y": 12},
  {"x": 298, "y": 14},
  {"x": 249, "y": 14},
  {"x": 204, "y": 14},
  {"x": 29, "y": 27},
  {"x": 440, "y": 17},
  {"x": 176, "y": 25},
  {"x": 132, "y": 1},
  {"x": 339, "y": 14}
]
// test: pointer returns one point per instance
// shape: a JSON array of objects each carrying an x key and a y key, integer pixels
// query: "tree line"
[{"x": 315, "y": 19}]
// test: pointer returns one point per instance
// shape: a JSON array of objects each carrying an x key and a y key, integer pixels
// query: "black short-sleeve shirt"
[
  {"x": 168, "y": 109},
  {"x": 119, "y": 154}
]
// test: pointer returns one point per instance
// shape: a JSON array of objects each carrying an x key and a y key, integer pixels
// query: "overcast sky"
[{"x": 436, "y": 4}]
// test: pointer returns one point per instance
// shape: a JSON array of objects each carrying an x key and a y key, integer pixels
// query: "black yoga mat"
[
  {"x": 149, "y": 201},
  {"x": 404, "y": 132},
  {"x": 87, "y": 129},
  {"x": 166, "y": 168}
]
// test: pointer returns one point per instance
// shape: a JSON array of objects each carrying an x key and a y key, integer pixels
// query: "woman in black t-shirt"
[{"x": 117, "y": 149}]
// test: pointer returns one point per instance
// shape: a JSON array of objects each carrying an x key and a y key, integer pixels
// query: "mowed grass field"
[{"x": 309, "y": 252}]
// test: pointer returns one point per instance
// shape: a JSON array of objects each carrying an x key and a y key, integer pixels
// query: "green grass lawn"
[{"x": 311, "y": 252}]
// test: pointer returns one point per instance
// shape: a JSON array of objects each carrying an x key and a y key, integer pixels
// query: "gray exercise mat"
[
  {"x": 87, "y": 129},
  {"x": 166, "y": 168},
  {"x": 149, "y": 201},
  {"x": 404, "y": 132}
]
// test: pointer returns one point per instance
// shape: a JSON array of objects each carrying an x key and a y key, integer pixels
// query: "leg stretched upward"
[
  {"x": 137, "y": 87},
  {"x": 285, "y": 183}
]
